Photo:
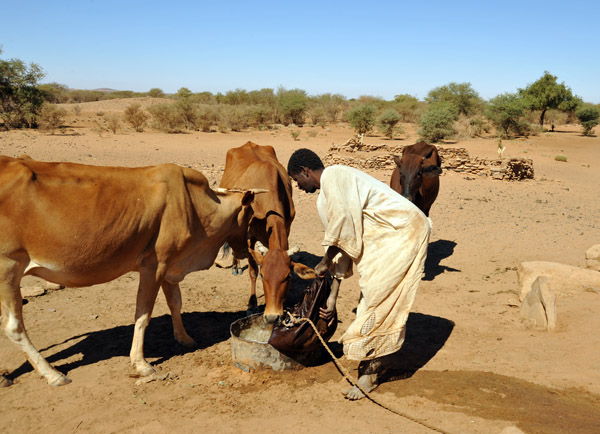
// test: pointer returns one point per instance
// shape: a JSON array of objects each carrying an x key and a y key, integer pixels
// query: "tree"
[
  {"x": 20, "y": 98},
  {"x": 155, "y": 92},
  {"x": 588, "y": 115},
  {"x": 461, "y": 95},
  {"x": 362, "y": 118},
  {"x": 292, "y": 105},
  {"x": 505, "y": 112},
  {"x": 388, "y": 121},
  {"x": 546, "y": 93},
  {"x": 437, "y": 122}
]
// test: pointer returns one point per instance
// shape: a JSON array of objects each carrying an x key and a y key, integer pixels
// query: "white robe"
[{"x": 387, "y": 237}]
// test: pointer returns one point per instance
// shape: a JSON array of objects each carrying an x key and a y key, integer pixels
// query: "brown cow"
[
  {"x": 254, "y": 166},
  {"x": 80, "y": 225},
  {"x": 408, "y": 180}
]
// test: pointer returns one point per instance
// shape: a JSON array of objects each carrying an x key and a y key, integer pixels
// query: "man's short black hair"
[{"x": 303, "y": 158}]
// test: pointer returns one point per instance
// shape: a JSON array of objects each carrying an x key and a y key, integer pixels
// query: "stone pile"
[{"x": 357, "y": 154}]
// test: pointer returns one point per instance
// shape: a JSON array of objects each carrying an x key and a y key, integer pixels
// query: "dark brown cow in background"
[
  {"x": 254, "y": 166},
  {"x": 417, "y": 175}
]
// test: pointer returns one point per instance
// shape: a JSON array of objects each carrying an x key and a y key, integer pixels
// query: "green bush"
[
  {"x": 20, "y": 97},
  {"x": 206, "y": 117},
  {"x": 233, "y": 118},
  {"x": 506, "y": 113},
  {"x": 437, "y": 122},
  {"x": 362, "y": 118},
  {"x": 166, "y": 118},
  {"x": 562, "y": 158},
  {"x": 386, "y": 123},
  {"x": 155, "y": 92},
  {"x": 291, "y": 106},
  {"x": 409, "y": 107},
  {"x": 461, "y": 95},
  {"x": 588, "y": 115},
  {"x": 136, "y": 117},
  {"x": 51, "y": 117}
]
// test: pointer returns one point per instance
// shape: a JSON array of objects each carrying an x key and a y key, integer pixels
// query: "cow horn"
[
  {"x": 293, "y": 250},
  {"x": 259, "y": 190},
  {"x": 261, "y": 248},
  {"x": 240, "y": 190}
]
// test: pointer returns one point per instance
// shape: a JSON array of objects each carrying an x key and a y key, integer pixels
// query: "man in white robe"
[{"x": 386, "y": 236}]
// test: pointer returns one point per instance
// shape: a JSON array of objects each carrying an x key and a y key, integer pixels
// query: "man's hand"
[
  {"x": 326, "y": 313},
  {"x": 322, "y": 267}
]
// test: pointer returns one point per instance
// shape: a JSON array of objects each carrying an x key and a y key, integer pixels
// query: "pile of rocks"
[{"x": 357, "y": 154}]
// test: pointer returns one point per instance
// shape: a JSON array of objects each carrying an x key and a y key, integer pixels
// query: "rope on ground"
[{"x": 351, "y": 380}]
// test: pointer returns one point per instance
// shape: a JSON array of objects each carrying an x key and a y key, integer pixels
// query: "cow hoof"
[
  {"x": 5, "y": 382},
  {"x": 187, "y": 342},
  {"x": 61, "y": 380},
  {"x": 147, "y": 371}
]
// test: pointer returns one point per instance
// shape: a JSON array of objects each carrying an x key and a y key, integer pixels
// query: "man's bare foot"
[{"x": 367, "y": 382}]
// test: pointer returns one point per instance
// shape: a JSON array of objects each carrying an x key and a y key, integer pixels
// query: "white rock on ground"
[
  {"x": 564, "y": 279},
  {"x": 539, "y": 307}
]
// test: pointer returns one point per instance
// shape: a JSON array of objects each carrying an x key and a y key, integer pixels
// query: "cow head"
[
  {"x": 238, "y": 230},
  {"x": 276, "y": 268},
  {"x": 412, "y": 167}
]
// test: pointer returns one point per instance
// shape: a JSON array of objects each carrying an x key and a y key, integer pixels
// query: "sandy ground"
[{"x": 469, "y": 365}]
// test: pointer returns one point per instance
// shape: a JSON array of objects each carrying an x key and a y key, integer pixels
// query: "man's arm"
[{"x": 326, "y": 262}]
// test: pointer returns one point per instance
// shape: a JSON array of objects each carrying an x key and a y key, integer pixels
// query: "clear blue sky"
[{"x": 379, "y": 48}]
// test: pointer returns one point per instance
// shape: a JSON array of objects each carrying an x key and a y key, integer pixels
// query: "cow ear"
[
  {"x": 303, "y": 271},
  {"x": 432, "y": 171},
  {"x": 397, "y": 160},
  {"x": 258, "y": 257}
]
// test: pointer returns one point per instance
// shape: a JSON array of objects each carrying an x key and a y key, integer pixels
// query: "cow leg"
[
  {"x": 11, "y": 306},
  {"x": 173, "y": 296},
  {"x": 252, "y": 272},
  {"x": 146, "y": 297}
]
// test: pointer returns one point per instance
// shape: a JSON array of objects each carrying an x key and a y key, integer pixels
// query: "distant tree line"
[{"x": 454, "y": 110}]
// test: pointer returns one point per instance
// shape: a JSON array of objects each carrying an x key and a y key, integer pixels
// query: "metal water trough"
[{"x": 250, "y": 349}]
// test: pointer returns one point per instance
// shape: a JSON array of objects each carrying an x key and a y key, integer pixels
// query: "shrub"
[
  {"x": 165, "y": 118},
  {"x": 187, "y": 113},
  {"x": 206, "y": 117},
  {"x": 588, "y": 115},
  {"x": 505, "y": 112},
  {"x": 291, "y": 106},
  {"x": 386, "y": 123},
  {"x": 362, "y": 118},
  {"x": 409, "y": 107},
  {"x": 295, "y": 134},
  {"x": 260, "y": 116},
  {"x": 437, "y": 122},
  {"x": 20, "y": 97},
  {"x": 155, "y": 92},
  {"x": 51, "y": 117},
  {"x": 233, "y": 118},
  {"x": 461, "y": 95},
  {"x": 470, "y": 127},
  {"x": 562, "y": 158},
  {"x": 136, "y": 117},
  {"x": 113, "y": 122}
]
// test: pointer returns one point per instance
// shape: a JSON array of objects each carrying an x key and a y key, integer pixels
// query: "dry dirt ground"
[{"x": 469, "y": 365}]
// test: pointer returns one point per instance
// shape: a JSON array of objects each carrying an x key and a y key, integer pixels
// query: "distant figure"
[{"x": 386, "y": 236}]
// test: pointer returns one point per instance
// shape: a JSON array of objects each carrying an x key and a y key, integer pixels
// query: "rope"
[{"x": 294, "y": 320}]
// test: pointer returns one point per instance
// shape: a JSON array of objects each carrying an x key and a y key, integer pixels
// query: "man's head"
[{"x": 305, "y": 168}]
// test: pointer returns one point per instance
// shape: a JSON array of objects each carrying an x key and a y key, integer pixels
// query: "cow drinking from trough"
[
  {"x": 416, "y": 176},
  {"x": 80, "y": 225},
  {"x": 255, "y": 166}
]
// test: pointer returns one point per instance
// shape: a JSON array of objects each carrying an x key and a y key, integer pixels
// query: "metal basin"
[{"x": 251, "y": 351}]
